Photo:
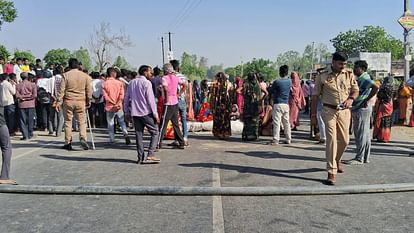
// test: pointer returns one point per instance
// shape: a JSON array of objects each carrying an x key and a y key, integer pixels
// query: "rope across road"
[{"x": 207, "y": 191}]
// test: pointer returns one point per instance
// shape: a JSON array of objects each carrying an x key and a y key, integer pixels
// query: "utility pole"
[
  {"x": 407, "y": 56},
  {"x": 313, "y": 51},
  {"x": 170, "y": 54},
  {"x": 169, "y": 41},
  {"x": 163, "y": 51}
]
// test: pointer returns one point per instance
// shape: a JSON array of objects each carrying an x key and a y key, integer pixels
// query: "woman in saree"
[
  {"x": 405, "y": 103},
  {"x": 220, "y": 105},
  {"x": 296, "y": 101},
  {"x": 197, "y": 97},
  {"x": 239, "y": 94},
  {"x": 383, "y": 110},
  {"x": 252, "y": 98}
]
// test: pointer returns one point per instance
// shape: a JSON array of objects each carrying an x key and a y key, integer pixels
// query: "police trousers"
[{"x": 337, "y": 135}]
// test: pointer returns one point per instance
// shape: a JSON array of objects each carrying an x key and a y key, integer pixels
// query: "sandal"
[
  {"x": 153, "y": 159},
  {"x": 12, "y": 182}
]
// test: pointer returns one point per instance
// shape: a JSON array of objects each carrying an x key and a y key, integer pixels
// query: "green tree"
[
  {"x": 262, "y": 66},
  {"x": 293, "y": 59},
  {"x": 25, "y": 54},
  {"x": 192, "y": 67},
  {"x": 8, "y": 12},
  {"x": 121, "y": 63},
  {"x": 57, "y": 56},
  {"x": 3, "y": 52},
  {"x": 82, "y": 55},
  {"x": 368, "y": 39}
]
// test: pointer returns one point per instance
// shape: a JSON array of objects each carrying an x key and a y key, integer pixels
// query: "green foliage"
[
  {"x": 121, "y": 63},
  {"x": 368, "y": 39},
  {"x": 3, "y": 52},
  {"x": 57, "y": 56},
  {"x": 265, "y": 67},
  {"x": 8, "y": 12},
  {"x": 25, "y": 54},
  {"x": 192, "y": 67},
  {"x": 213, "y": 70},
  {"x": 82, "y": 55}
]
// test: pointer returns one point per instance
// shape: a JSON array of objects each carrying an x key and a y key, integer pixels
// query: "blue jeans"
[
  {"x": 110, "y": 118},
  {"x": 361, "y": 122},
  {"x": 27, "y": 122},
  {"x": 182, "y": 109},
  {"x": 10, "y": 115}
]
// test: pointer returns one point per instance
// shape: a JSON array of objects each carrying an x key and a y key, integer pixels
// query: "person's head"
[
  {"x": 24, "y": 75},
  {"x": 134, "y": 74},
  {"x": 168, "y": 69},
  {"x": 111, "y": 72},
  {"x": 31, "y": 77},
  {"x": 58, "y": 70},
  {"x": 3, "y": 77},
  {"x": 339, "y": 61},
  {"x": 1, "y": 60},
  {"x": 234, "y": 108},
  {"x": 221, "y": 77},
  {"x": 176, "y": 65},
  {"x": 360, "y": 67},
  {"x": 283, "y": 71},
  {"x": 26, "y": 61},
  {"x": 95, "y": 75},
  {"x": 73, "y": 63},
  {"x": 252, "y": 77},
  {"x": 260, "y": 77},
  {"x": 19, "y": 61},
  {"x": 157, "y": 71},
  {"x": 38, "y": 61},
  {"x": 13, "y": 77},
  {"x": 145, "y": 71}
]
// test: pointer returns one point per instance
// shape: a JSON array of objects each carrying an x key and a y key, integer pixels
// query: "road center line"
[{"x": 218, "y": 218}]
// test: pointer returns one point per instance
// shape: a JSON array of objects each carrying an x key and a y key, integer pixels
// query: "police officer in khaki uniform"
[{"x": 338, "y": 89}]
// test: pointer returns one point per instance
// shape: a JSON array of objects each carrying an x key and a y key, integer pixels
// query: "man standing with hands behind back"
[
  {"x": 75, "y": 97},
  {"x": 140, "y": 103},
  {"x": 338, "y": 90}
]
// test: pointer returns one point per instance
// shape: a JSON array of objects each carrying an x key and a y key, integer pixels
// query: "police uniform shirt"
[{"x": 334, "y": 88}]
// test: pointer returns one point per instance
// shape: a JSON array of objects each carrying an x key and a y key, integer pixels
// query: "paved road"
[{"x": 207, "y": 162}]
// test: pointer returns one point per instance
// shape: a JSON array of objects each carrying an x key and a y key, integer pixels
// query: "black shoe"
[
  {"x": 67, "y": 147},
  {"x": 127, "y": 140},
  {"x": 84, "y": 144},
  {"x": 23, "y": 139},
  {"x": 175, "y": 143}
]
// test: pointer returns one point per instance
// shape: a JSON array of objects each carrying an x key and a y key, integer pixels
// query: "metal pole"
[
  {"x": 406, "y": 44},
  {"x": 90, "y": 129},
  {"x": 163, "y": 51},
  {"x": 313, "y": 50},
  {"x": 169, "y": 41}
]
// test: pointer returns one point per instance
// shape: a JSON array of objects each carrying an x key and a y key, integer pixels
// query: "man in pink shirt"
[
  {"x": 113, "y": 92},
  {"x": 170, "y": 83}
]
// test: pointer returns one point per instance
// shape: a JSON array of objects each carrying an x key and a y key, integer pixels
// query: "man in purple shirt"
[
  {"x": 139, "y": 103},
  {"x": 26, "y": 94}
]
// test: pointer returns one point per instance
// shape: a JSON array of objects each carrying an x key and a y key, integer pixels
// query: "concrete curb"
[{"x": 207, "y": 191}]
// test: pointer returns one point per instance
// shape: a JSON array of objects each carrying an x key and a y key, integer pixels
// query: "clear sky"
[{"x": 224, "y": 31}]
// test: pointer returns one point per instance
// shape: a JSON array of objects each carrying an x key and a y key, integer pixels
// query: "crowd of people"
[{"x": 337, "y": 100}]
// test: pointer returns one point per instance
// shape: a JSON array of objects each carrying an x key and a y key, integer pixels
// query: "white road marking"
[
  {"x": 218, "y": 218},
  {"x": 34, "y": 150}
]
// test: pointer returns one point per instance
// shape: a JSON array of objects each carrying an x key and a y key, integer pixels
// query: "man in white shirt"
[
  {"x": 7, "y": 91},
  {"x": 97, "y": 103},
  {"x": 17, "y": 69}
]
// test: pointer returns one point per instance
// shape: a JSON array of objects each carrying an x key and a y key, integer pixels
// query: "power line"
[
  {"x": 187, "y": 14},
  {"x": 180, "y": 13}
]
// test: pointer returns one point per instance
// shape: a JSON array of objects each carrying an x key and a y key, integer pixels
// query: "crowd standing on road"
[{"x": 337, "y": 100}]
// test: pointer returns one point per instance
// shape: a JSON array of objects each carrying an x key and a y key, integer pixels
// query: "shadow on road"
[
  {"x": 82, "y": 159},
  {"x": 276, "y": 155},
  {"x": 261, "y": 171}
]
